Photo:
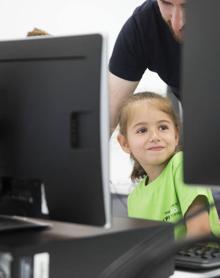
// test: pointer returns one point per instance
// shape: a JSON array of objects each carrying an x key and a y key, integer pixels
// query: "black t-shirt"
[{"x": 146, "y": 42}]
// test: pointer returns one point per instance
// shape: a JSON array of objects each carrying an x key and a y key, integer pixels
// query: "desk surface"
[
  {"x": 206, "y": 274},
  {"x": 73, "y": 230}
]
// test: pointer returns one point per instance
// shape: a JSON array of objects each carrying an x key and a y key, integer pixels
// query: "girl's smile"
[{"x": 155, "y": 148}]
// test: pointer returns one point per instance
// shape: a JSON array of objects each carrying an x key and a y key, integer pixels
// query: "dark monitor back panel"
[
  {"x": 50, "y": 121},
  {"x": 201, "y": 93}
]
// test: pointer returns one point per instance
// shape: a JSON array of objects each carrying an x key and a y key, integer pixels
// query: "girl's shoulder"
[
  {"x": 175, "y": 163},
  {"x": 177, "y": 159}
]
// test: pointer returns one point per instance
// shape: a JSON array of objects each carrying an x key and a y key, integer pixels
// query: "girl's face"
[{"x": 151, "y": 135}]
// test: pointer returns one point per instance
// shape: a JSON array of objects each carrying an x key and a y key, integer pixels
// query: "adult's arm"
[{"x": 119, "y": 90}]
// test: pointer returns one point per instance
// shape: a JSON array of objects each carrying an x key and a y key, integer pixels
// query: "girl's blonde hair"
[{"x": 162, "y": 103}]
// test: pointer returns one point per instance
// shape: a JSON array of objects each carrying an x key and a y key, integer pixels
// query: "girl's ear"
[{"x": 123, "y": 142}]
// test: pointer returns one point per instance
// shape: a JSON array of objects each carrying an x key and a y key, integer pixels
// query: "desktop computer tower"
[{"x": 45, "y": 254}]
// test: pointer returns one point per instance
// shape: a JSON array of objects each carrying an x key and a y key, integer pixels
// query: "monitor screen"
[
  {"x": 54, "y": 124},
  {"x": 201, "y": 93}
]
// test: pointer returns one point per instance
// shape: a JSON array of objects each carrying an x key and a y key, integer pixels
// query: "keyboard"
[
  {"x": 10, "y": 223},
  {"x": 201, "y": 256}
]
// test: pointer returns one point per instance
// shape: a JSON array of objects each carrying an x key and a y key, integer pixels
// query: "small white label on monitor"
[{"x": 41, "y": 265}]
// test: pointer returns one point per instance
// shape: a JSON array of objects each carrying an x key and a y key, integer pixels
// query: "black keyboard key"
[{"x": 199, "y": 257}]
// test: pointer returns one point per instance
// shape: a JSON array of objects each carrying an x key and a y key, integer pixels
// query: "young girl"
[{"x": 149, "y": 132}]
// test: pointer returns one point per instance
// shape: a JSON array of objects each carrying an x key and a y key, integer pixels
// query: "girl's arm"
[{"x": 198, "y": 225}]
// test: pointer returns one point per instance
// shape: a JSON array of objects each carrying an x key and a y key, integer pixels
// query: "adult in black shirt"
[{"x": 150, "y": 39}]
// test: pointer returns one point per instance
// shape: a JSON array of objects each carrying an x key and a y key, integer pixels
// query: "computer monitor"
[
  {"x": 54, "y": 123},
  {"x": 201, "y": 93}
]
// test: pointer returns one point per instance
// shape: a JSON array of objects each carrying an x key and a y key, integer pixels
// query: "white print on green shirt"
[{"x": 172, "y": 212}]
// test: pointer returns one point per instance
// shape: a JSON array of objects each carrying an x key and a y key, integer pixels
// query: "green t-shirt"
[{"x": 168, "y": 198}]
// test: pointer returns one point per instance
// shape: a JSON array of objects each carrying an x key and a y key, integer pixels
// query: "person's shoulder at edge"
[
  {"x": 178, "y": 156},
  {"x": 176, "y": 160},
  {"x": 178, "y": 168},
  {"x": 146, "y": 10},
  {"x": 146, "y": 5},
  {"x": 141, "y": 13}
]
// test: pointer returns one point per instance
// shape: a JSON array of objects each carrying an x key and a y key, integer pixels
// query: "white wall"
[
  {"x": 64, "y": 16},
  {"x": 60, "y": 17}
]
